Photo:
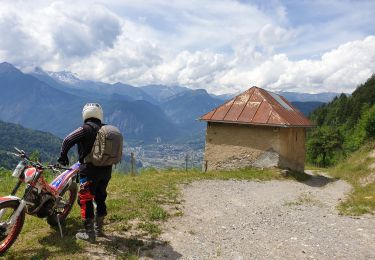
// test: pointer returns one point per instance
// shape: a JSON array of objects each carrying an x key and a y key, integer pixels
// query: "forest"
[{"x": 342, "y": 126}]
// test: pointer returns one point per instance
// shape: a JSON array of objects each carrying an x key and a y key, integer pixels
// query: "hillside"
[
  {"x": 34, "y": 104},
  {"x": 358, "y": 170},
  {"x": 140, "y": 121},
  {"x": 28, "y": 140},
  {"x": 186, "y": 107},
  {"x": 343, "y": 125},
  {"x": 347, "y": 109}
]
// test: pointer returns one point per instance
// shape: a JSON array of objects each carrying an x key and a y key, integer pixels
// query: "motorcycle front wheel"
[
  {"x": 9, "y": 234},
  {"x": 68, "y": 196}
]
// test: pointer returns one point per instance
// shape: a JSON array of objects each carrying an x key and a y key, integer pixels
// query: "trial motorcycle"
[{"x": 53, "y": 201}]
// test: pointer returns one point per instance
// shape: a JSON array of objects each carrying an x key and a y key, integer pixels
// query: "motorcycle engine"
[
  {"x": 46, "y": 209},
  {"x": 42, "y": 204},
  {"x": 35, "y": 198}
]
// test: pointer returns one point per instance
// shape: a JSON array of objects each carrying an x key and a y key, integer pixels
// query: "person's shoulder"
[
  {"x": 89, "y": 126},
  {"x": 76, "y": 132}
]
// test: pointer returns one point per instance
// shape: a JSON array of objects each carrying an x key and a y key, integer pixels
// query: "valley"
[{"x": 167, "y": 155}]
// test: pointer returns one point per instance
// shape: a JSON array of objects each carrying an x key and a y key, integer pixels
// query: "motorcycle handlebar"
[
  {"x": 57, "y": 166},
  {"x": 22, "y": 154}
]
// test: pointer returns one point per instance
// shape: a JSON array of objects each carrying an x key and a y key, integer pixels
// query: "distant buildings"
[{"x": 257, "y": 128}]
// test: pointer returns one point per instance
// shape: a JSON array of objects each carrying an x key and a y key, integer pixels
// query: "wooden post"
[
  {"x": 205, "y": 165},
  {"x": 132, "y": 163},
  {"x": 186, "y": 162}
]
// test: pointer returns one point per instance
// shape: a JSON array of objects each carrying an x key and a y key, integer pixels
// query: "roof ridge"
[{"x": 270, "y": 103}]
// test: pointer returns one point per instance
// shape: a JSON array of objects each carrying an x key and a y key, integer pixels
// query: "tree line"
[{"x": 41, "y": 145}]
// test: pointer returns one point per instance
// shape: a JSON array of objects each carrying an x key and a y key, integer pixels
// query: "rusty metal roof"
[{"x": 257, "y": 106}]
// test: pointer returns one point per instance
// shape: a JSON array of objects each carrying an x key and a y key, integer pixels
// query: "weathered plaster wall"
[
  {"x": 292, "y": 148},
  {"x": 230, "y": 146}
]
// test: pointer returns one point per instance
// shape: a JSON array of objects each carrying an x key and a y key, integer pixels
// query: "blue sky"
[{"x": 220, "y": 45}]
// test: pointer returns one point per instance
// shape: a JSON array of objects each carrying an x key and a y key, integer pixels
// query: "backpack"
[{"x": 107, "y": 148}]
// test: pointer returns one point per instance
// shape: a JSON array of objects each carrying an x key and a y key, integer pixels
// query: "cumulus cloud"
[
  {"x": 223, "y": 47},
  {"x": 339, "y": 70},
  {"x": 82, "y": 30},
  {"x": 55, "y": 34}
]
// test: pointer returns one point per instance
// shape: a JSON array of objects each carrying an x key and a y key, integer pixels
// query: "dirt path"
[{"x": 270, "y": 220}]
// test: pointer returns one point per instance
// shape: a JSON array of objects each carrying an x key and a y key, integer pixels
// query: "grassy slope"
[
  {"x": 135, "y": 204},
  {"x": 354, "y": 170}
]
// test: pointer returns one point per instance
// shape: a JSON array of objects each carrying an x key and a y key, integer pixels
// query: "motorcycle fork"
[
  {"x": 18, "y": 211},
  {"x": 14, "y": 217},
  {"x": 21, "y": 206},
  {"x": 13, "y": 193}
]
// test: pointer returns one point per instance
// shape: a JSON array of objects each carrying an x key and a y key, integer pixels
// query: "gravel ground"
[{"x": 265, "y": 220}]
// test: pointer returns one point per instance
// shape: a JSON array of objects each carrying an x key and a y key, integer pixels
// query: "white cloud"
[
  {"x": 223, "y": 47},
  {"x": 339, "y": 70},
  {"x": 55, "y": 34}
]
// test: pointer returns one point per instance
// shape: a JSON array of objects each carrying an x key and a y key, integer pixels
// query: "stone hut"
[{"x": 256, "y": 128}]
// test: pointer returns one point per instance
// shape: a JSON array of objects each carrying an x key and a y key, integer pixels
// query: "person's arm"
[{"x": 69, "y": 141}]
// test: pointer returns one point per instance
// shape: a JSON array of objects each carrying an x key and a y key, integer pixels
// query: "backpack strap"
[
  {"x": 94, "y": 126},
  {"x": 90, "y": 143}
]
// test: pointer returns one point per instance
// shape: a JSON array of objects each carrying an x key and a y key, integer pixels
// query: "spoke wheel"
[
  {"x": 68, "y": 196},
  {"x": 9, "y": 233}
]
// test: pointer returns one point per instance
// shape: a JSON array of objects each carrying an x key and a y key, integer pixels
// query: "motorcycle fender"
[{"x": 9, "y": 198}]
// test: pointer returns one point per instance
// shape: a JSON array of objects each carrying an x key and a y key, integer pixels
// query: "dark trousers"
[{"x": 93, "y": 187}]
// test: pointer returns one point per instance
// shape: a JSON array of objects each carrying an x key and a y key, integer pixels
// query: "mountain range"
[
  {"x": 52, "y": 101},
  {"x": 45, "y": 103}
]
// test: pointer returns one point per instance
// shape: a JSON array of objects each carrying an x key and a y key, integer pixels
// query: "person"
[{"x": 93, "y": 179}]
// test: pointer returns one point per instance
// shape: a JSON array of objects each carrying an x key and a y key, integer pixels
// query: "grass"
[
  {"x": 355, "y": 170},
  {"x": 136, "y": 208}
]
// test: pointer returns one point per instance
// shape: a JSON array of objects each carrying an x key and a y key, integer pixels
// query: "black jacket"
[{"x": 84, "y": 137}]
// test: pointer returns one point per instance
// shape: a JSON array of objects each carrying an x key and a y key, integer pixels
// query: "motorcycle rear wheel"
[
  {"x": 69, "y": 196},
  {"x": 8, "y": 236}
]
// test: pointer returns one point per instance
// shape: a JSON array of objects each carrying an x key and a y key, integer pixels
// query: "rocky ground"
[{"x": 265, "y": 220}]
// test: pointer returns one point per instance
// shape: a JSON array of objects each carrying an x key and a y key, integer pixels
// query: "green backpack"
[{"x": 107, "y": 148}]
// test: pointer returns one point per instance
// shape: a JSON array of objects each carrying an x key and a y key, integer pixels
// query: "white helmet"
[{"x": 92, "y": 110}]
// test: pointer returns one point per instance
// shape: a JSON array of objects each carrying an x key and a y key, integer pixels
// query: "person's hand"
[{"x": 63, "y": 160}]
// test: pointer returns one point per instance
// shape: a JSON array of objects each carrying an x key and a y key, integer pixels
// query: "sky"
[{"x": 223, "y": 46}]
